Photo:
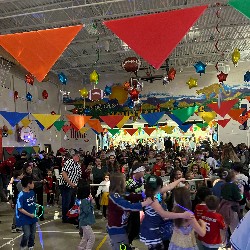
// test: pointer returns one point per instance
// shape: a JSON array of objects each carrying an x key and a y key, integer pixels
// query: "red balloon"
[
  {"x": 222, "y": 77},
  {"x": 131, "y": 64},
  {"x": 134, "y": 94},
  {"x": 15, "y": 95},
  {"x": 53, "y": 112},
  {"x": 45, "y": 94},
  {"x": 29, "y": 78},
  {"x": 171, "y": 74}
]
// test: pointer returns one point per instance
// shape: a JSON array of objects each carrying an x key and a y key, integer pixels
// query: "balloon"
[
  {"x": 131, "y": 103},
  {"x": 222, "y": 77},
  {"x": 131, "y": 64},
  {"x": 192, "y": 83},
  {"x": 53, "y": 112},
  {"x": 29, "y": 97},
  {"x": 75, "y": 111},
  {"x": 45, "y": 94},
  {"x": 127, "y": 85},
  {"x": 15, "y": 95},
  {"x": 247, "y": 76},
  {"x": 87, "y": 111},
  {"x": 171, "y": 74},
  {"x": 165, "y": 80},
  {"x": 108, "y": 90},
  {"x": 200, "y": 67},
  {"x": 29, "y": 78},
  {"x": 94, "y": 77},
  {"x": 236, "y": 57},
  {"x": 134, "y": 94},
  {"x": 119, "y": 94},
  {"x": 84, "y": 92},
  {"x": 62, "y": 78}
]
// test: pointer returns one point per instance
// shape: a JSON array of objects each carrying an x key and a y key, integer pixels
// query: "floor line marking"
[{"x": 102, "y": 242}]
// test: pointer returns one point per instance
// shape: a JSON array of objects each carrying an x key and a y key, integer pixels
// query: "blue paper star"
[
  {"x": 247, "y": 76},
  {"x": 200, "y": 67}
]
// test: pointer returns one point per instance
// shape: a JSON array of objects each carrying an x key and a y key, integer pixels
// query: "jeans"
[
  {"x": 88, "y": 239},
  {"x": 67, "y": 197},
  {"x": 29, "y": 232}
]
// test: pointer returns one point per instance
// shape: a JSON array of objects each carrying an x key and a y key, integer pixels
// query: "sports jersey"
[{"x": 200, "y": 209}]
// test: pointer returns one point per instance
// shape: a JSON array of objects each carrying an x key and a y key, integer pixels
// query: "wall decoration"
[
  {"x": 200, "y": 67},
  {"x": 112, "y": 120},
  {"x": 25, "y": 122},
  {"x": 62, "y": 78},
  {"x": 26, "y": 134},
  {"x": 207, "y": 116},
  {"x": 46, "y": 120},
  {"x": 224, "y": 107},
  {"x": 192, "y": 83},
  {"x": 119, "y": 94},
  {"x": 96, "y": 94},
  {"x": 94, "y": 77},
  {"x": 84, "y": 92},
  {"x": 152, "y": 118},
  {"x": 247, "y": 76},
  {"x": 223, "y": 123},
  {"x": 28, "y": 97},
  {"x": 15, "y": 95},
  {"x": 236, "y": 57},
  {"x": 13, "y": 118},
  {"x": 45, "y": 94},
  {"x": 222, "y": 77},
  {"x": 235, "y": 113},
  {"x": 212, "y": 89},
  {"x": 29, "y": 79},
  {"x": 131, "y": 64},
  {"x": 78, "y": 120},
  {"x": 183, "y": 114},
  {"x": 108, "y": 90},
  {"x": 241, "y": 6}
]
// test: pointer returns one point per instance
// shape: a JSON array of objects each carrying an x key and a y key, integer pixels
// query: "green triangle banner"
[
  {"x": 242, "y": 6},
  {"x": 59, "y": 124},
  {"x": 113, "y": 131},
  {"x": 202, "y": 125},
  {"x": 184, "y": 113}
]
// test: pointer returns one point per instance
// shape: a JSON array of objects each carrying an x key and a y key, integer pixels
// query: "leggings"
[
  {"x": 104, "y": 211},
  {"x": 88, "y": 239}
]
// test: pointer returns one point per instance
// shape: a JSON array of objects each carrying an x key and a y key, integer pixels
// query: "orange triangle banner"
[
  {"x": 235, "y": 113},
  {"x": 96, "y": 125},
  {"x": 144, "y": 34},
  {"x": 37, "y": 51},
  {"x": 122, "y": 122},
  {"x": 112, "y": 120},
  {"x": 46, "y": 120},
  {"x": 131, "y": 131},
  {"x": 242, "y": 119},
  {"x": 78, "y": 121},
  {"x": 149, "y": 131}
]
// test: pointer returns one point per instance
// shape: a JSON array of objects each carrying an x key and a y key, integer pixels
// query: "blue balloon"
[
  {"x": 131, "y": 103},
  {"x": 87, "y": 111},
  {"x": 247, "y": 76},
  {"x": 108, "y": 90},
  {"x": 62, "y": 78},
  {"x": 29, "y": 97},
  {"x": 200, "y": 67}
]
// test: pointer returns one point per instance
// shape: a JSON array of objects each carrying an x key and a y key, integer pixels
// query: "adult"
[
  {"x": 151, "y": 159},
  {"x": 184, "y": 165},
  {"x": 71, "y": 173},
  {"x": 112, "y": 165},
  {"x": 228, "y": 157},
  {"x": 216, "y": 190},
  {"x": 20, "y": 161},
  {"x": 168, "y": 144}
]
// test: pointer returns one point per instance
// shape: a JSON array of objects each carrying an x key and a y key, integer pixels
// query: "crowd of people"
[{"x": 170, "y": 199}]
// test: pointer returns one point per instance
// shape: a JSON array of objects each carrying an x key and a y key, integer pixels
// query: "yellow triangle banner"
[
  {"x": 36, "y": 149},
  {"x": 46, "y": 120},
  {"x": 25, "y": 122},
  {"x": 122, "y": 122},
  {"x": 84, "y": 130},
  {"x": 168, "y": 129},
  {"x": 207, "y": 116}
]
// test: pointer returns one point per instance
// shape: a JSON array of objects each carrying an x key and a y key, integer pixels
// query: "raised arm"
[{"x": 171, "y": 186}]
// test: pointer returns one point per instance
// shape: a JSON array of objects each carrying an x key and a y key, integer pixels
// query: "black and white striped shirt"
[{"x": 74, "y": 171}]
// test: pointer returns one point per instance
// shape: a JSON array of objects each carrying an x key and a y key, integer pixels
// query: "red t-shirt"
[
  {"x": 200, "y": 209},
  {"x": 157, "y": 169},
  {"x": 214, "y": 223}
]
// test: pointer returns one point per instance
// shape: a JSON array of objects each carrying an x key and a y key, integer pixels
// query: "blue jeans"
[
  {"x": 29, "y": 232},
  {"x": 67, "y": 197}
]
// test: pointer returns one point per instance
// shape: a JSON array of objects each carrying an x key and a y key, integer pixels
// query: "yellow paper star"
[{"x": 192, "y": 83}]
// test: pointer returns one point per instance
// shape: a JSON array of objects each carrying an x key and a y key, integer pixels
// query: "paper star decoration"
[
  {"x": 247, "y": 76},
  {"x": 222, "y": 77}
]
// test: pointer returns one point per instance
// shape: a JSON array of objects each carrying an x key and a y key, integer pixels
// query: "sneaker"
[
  {"x": 99, "y": 212},
  {"x": 19, "y": 229},
  {"x": 23, "y": 248},
  {"x": 13, "y": 230},
  {"x": 31, "y": 248}
]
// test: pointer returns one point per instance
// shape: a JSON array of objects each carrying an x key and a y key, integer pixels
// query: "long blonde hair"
[{"x": 229, "y": 154}]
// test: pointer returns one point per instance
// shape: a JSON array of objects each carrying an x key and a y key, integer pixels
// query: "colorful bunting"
[
  {"x": 242, "y": 119},
  {"x": 43, "y": 47},
  {"x": 40, "y": 125},
  {"x": 223, "y": 123},
  {"x": 36, "y": 149},
  {"x": 46, "y": 120},
  {"x": 13, "y": 118},
  {"x": 168, "y": 129},
  {"x": 145, "y": 33},
  {"x": 242, "y": 6},
  {"x": 66, "y": 128},
  {"x": 149, "y": 131},
  {"x": 207, "y": 116},
  {"x": 112, "y": 120},
  {"x": 131, "y": 131},
  {"x": 9, "y": 150},
  {"x": 122, "y": 122},
  {"x": 114, "y": 131},
  {"x": 183, "y": 127},
  {"x": 25, "y": 122},
  {"x": 235, "y": 113},
  {"x": 152, "y": 118},
  {"x": 83, "y": 130},
  {"x": 202, "y": 125},
  {"x": 10, "y": 132},
  {"x": 78, "y": 120},
  {"x": 95, "y": 125},
  {"x": 224, "y": 107},
  {"x": 59, "y": 124},
  {"x": 184, "y": 113}
]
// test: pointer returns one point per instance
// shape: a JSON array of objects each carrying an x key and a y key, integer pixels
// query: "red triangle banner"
[
  {"x": 96, "y": 125},
  {"x": 223, "y": 123},
  {"x": 37, "y": 51},
  {"x": 66, "y": 128},
  {"x": 149, "y": 131},
  {"x": 224, "y": 107},
  {"x": 235, "y": 113},
  {"x": 9, "y": 150},
  {"x": 146, "y": 34},
  {"x": 78, "y": 120},
  {"x": 131, "y": 131},
  {"x": 112, "y": 120}
]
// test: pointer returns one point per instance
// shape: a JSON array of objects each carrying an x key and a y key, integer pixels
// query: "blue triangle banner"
[
  {"x": 19, "y": 149},
  {"x": 152, "y": 118},
  {"x": 40, "y": 125},
  {"x": 183, "y": 127},
  {"x": 13, "y": 118}
]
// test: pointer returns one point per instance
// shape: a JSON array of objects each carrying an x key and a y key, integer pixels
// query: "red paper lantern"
[
  {"x": 134, "y": 94},
  {"x": 222, "y": 77},
  {"x": 171, "y": 74},
  {"x": 29, "y": 78},
  {"x": 45, "y": 94},
  {"x": 15, "y": 95}
]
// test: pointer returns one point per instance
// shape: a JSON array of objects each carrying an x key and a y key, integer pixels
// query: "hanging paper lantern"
[
  {"x": 134, "y": 94},
  {"x": 236, "y": 57},
  {"x": 119, "y": 94},
  {"x": 45, "y": 94},
  {"x": 200, "y": 67},
  {"x": 29, "y": 79},
  {"x": 62, "y": 78},
  {"x": 131, "y": 64},
  {"x": 247, "y": 76},
  {"x": 192, "y": 83},
  {"x": 96, "y": 94},
  {"x": 171, "y": 74},
  {"x": 29, "y": 97},
  {"x": 222, "y": 77},
  {"x": 131, "y": 103},
  {"x": 84, "y": 92},
  {"x": 53, "y": 112},
  {"x": 127, "y": 86},
  {"x": 15, "y": 95},
  {"x": 94, "y": 77},
  {"x": 108, "y": 90}
]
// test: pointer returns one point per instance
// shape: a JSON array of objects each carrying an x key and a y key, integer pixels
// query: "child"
[
  {"x": 191, "y": 184},
  {"x": 86, "y": 217},
  {"x": 104, "y": 189},
  {"x": 154, "y": 213},
  {"x": 196, "y": 170},
  {"x": 16, "y": 188},
  {"x": 214, "y": 223},
  {"x": 50, "y": 187},
  {"x": 25, "y": 213},
  {"x": 183, "y": 234}
]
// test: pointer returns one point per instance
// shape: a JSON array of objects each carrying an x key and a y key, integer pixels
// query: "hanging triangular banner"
[
  {"x": 247, "y": 97},
  {"x": 223, "y": 123},
  {"x": 224, "y": 107},
  {"x": 152, "y": 118},
  {"x": 13, "y": 118},
  {"x": 29, "y": 150},
  {"x": 202, "y": 125},
  {"x": 183, "y": 127},
  {"x": 46, "y": 120},
  {"x": 131, "y": 131},
  {"x": 78, "y": 120},
  {"x": 168, "y": 129},
  {"x": 9, "y": 150},
  {"x": 83, "y": 130},
  {"x": 144, "y": 34},
  {"x": 112, "y": 120},
  {"x": 43, "y": 47},
  {"x": 40, "y": 125},
  {"x": 96, "y": 125},
  {"x": 242, "y": 119},
  {"x": 25, "y": 122},
  {"x": 149, "y": 131},
  {"x": 207, "y": 116},
  {"x": 122, "y": 122},
  {"x": 242, "y": 6},
  {"x": 59, "y": 124},
  {"x": 66, "y": 128},
  {"x": 36, "y": 149},
  {"x": 113, "y": 131},
  {"x": 235, "y": 113},
  {"x": 184, "y": 113},
  {"x": 20, "y": 149}
]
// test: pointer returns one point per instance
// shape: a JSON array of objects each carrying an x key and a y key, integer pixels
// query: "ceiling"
[{"x": 79, "y": 58}]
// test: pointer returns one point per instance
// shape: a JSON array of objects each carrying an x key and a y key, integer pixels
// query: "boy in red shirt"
[
  {"x": 214, "y": 223},
  {"x": 159, "y": 165},
  {"x": 201, "y": 208}
]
